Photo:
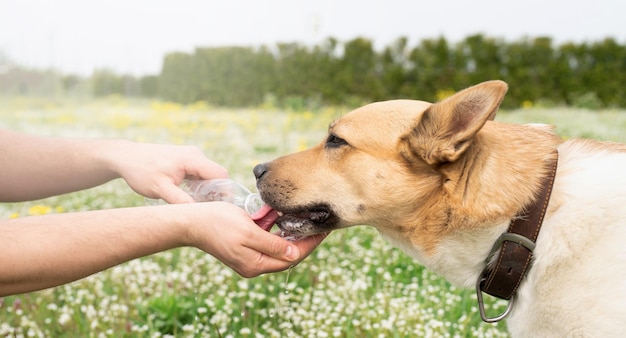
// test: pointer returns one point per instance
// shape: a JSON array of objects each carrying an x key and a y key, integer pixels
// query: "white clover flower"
[
  {"x": 387, "y": 324},
  {"x": 64, "y": 318},
  {"x": 321, "y": 334},
  {"x": 242, "y": 284},
  {"x": 351, "y": 285},
  {"x": 245, "y": 331}
]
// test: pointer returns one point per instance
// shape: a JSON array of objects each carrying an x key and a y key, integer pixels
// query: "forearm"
[
  {"x": 44, "y": 251},
  {"x": 35, "y": 167}
]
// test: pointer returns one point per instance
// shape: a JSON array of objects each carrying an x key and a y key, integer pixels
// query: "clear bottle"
[{"x": 223, "y": 189}]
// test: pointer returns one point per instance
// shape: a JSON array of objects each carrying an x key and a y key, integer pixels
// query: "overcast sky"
[{"x": 132, "y": 36}]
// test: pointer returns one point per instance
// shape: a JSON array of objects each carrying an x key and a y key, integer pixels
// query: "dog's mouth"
[{"x": 296, "y": 223}]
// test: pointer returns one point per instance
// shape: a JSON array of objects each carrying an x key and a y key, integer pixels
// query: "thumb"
[
  {"x": 274, "y": 246},
  {"x": 206, "y": 169}
]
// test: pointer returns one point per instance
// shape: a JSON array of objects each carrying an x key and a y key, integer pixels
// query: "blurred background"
[
  {"x": 246, "y": 52},
  {"x": 248, "y": 81}
]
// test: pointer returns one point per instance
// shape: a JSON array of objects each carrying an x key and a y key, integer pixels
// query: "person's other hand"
[
  {"x": 156, "y": 171},
  {"x": 227, "y": 233}
]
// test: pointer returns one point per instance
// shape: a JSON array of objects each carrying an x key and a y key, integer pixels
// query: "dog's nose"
[{"x": 259, "y": 170}]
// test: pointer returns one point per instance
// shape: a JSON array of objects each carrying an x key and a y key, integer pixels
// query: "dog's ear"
[{"x": 447, "y": 128}]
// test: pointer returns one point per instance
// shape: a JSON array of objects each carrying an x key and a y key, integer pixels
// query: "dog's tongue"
[{"x": 265, "y": 217}]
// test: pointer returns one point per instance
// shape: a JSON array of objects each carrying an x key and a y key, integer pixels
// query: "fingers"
[
  {"x": 213, "y": 170},
  {"x": 274, "y": 246},
  {"x": 229, "y": 234},
  {"x": 174, "y": 195},
  {"x": 280, "y": 248},
  {"x": 155, "y": 171},
  {"x": 308, "y": 244},
  {"x": 277, "y": 254},
  {"x": 203, "y": 168}
]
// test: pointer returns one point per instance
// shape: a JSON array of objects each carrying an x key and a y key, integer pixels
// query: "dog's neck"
[
  {"x": 459, "y": 257},
  {"x": 499, "y": 174}
]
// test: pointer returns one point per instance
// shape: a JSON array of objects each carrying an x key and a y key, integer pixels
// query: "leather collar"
[{"x": 516, "y": 248}]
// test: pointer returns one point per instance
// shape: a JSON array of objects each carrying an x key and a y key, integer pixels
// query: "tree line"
[{"x": 587, "y": 74}]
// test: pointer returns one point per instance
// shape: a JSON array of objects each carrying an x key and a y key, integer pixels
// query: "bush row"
[{"x": 587, "y": 74}]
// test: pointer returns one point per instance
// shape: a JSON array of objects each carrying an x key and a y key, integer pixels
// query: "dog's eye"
[{"x": 333, "y": 141}]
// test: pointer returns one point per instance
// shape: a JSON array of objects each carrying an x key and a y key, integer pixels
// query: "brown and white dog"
[{"x": 443, "y": 181}]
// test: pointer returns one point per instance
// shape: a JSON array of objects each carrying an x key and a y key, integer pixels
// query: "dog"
[{"x": 444, "y": 182}]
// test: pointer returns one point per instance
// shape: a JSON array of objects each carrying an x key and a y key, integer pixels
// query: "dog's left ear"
[{"x": 447, "y": 128}]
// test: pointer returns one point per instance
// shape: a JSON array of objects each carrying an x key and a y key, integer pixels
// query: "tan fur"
[
  {"x": 390, "y": 142},
  {"x": 442, "y": 181}
]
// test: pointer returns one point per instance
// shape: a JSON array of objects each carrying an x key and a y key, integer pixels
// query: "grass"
[{"x": 353, "y": 285}]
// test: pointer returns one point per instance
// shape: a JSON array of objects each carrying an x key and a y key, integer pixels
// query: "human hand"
[
  {"x": 156, "y": 171},
  {"x": 227, "y": 233}
]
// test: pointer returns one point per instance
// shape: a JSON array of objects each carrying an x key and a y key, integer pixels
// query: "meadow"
[{"x": 353, "y": 285}]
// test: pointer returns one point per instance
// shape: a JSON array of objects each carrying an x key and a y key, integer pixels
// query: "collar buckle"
[
  {"x": 481, "y": 305},
  {"x": 510, "y": 237}
]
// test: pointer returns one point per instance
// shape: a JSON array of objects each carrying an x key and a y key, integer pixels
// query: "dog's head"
[{"x": 389, "y": 164}]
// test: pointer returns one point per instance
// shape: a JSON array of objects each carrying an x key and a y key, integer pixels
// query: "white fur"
[
  {"x": 577, "y": 284},
  {"x": 460, "y": 258}
]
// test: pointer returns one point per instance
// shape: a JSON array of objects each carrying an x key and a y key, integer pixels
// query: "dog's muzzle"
[{"x": 299, "y": 220}]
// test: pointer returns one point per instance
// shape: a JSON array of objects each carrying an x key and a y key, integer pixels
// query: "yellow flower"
[
  {"x": 527, "y": 104},
  {"x": 302, "y": 144},
  {"x": 308, "y": 115},
  {"x": 444, "y": 93},
  {"x": 39, "y": 209},
  {"x": 121, "y": 121},
  {"x": 199, "y": 106},
  {"x": 14, "y": 215},
  {"x": 167, "y": 107}
]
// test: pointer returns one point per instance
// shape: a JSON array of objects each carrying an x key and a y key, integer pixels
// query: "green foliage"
[
  {"x": 28, "y": 82},
  {"x": 295, "y": 76},
  {"x": 344, "y": 73},
  {"x": 169, "y": 313},
  {"x": 174, "y": 81},
  {"x": 105, "y": 83},
  {"x": 587, "y": 100}
]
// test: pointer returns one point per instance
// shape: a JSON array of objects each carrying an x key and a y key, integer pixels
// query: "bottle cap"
[{"x": 253, "y": 203}]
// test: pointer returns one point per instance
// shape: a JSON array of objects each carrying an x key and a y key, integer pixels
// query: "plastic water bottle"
[{"x": 223, "y": 189}]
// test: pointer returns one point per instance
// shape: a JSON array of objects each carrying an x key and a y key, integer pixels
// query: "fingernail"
[{"x": 291, "y": 252}]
